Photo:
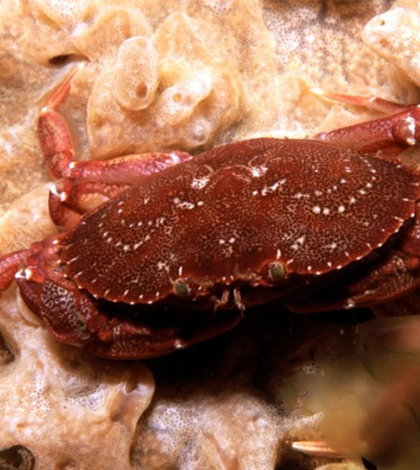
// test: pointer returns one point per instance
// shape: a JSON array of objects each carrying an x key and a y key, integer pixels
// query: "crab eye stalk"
[
  {"x": 276, "y": 271},
  {"x": 182, "y": 287}
]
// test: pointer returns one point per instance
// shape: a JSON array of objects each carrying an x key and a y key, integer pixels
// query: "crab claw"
[
  {"x": 74, "y": 317},
  {"x": 128, "y": 338},
  {"x": 70, "y": 314}
]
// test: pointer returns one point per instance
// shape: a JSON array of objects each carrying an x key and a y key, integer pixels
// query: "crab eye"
[
  {"x": 182, "y": 287},
  {"x": 276, "y": 271}
]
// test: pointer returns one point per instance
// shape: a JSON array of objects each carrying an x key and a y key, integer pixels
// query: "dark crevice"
[
  {"x": 369, "y": 465},
  {"x": 64, "y": 59},
  {"x": 59, "y": 59},
  {"x": 17, "y": 458},
  {"x": 6, "y": 355}
]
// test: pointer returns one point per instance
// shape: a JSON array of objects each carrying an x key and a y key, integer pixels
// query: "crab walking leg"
[
  {"x": 395, "y": 276},
  {"x": 53, "y": 134},
  {"x": 129, "y": 169},
  {"x": 369, "y": 102},
  {"x": 110, "y": 177},
  {"x": 67, "y": 204},
  {"x": 88, "y": 184},
  {"x": 392, "y": 134},
  {"x": 316, "y": 449},
  {"x": 9, "y": 265},
  {"x": 409, "y": 304},
  {"x": 398, "y": 274},
  {"x": 57, "y": 146}
]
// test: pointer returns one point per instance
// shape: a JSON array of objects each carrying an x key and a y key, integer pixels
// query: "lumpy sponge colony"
[{"x": 169, "y": 75}]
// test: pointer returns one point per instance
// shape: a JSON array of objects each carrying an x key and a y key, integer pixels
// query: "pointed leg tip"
[
  {"x": 317, "y": 91},
  {"x": 315, "y": 449}
]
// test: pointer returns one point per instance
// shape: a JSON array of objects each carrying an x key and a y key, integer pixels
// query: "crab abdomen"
[{"x": 230, "y": 212}]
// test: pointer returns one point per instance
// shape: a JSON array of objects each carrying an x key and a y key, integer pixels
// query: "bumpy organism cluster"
[
  {"x": 275, "y": 58},
  {"x": 170, "y": 90},
  {"x": 44, "y": 397},
  {"x": 395, "y": 34},
  {"x": 251, "y": 446}
]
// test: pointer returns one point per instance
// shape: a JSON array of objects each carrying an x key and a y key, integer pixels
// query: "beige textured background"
[{"x": 188, "y": 75}]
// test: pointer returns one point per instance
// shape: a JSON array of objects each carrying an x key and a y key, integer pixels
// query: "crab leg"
[
  {"x": 87, "y": 184},
  {"x": 9, "y": 264},
  {"x": 315, "y": 449},
  {"x": 398, "y": 274},
  {"x": 67, "y": 204},
  {"x": 369, "y": 102},
  {"x": 392, "y": 275},
  {"x": 90, "y": 183},
  {"x": 53, "y": 134},
  {"x": 57, "y": 147},
  {"x": 391, "y": 134},
  {"x": 382, "y": 284},
  {"x": 129, "y": 169}
]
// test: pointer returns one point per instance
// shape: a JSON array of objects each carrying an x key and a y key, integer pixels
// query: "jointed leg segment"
[
  {"x": 86, "y": 184},
  {"x": 392, "y": 134}
]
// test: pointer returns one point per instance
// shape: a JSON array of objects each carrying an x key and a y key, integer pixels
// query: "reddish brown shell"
[{"x": 227, "y": 213}]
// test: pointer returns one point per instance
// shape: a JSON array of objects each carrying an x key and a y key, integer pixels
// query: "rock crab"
[{"x": 162, "y": 251}]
